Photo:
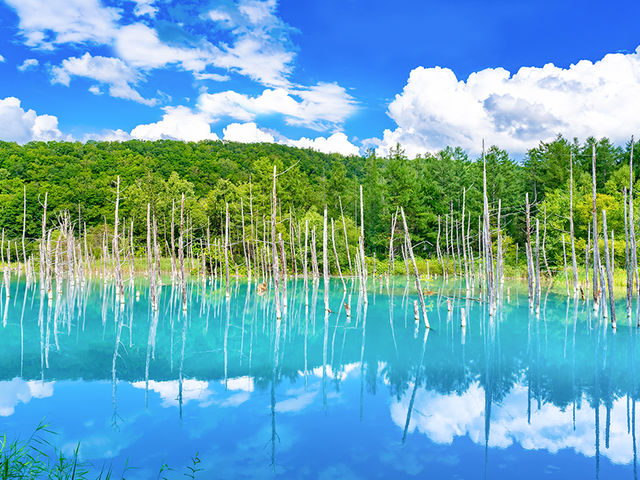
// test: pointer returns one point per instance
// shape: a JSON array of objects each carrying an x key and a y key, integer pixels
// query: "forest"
[{"x": 80, "y": 178}]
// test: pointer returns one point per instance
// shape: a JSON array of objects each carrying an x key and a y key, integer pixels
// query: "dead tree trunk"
[
  {"x": 586, "y": 259},
  {"x": 43, "y": 250},
  {"x": 292, "y": 245},
  {"x": 438, "y": 249},
  {"x": 608, "y": 266},
  {"x": 487, "y": 237},
  {"x": 566, "y": 275},
  {"x": 150, "y": 263},
  {"x": 24, "y": 231},
  {"x": 499, "y": 264},
  {"x": 226, "y": 250},
  {"x": 252, "y": 250},
  {"x": 183, "y": 279},
  {"x": 530, "y": 269},
  {"x": 346, "y": 239},
  {"x": 544, "y": 242},
  {"x": 627, "y": 261},
  {"x": 283, "y": 259},
  {"x": 174, "y": 267},
  {"x": 325, "y": 262},
  {"x": 363, "y": 265},
  {"x": 276, "y": 273},
  {"x": 465, "y": 243},
  {"x": 393, "y": 228},
  {"x": 415, "y": 269},
  {"x": 116, "y": 246},
  {"x": 596, "y": 260},
  {"x": 574, "y": 261},
  {"x": 131, "y": 253},
  {"x": 305, "y": 271},
  {"x": 314, "y": 255},
  {"x": 335, "y": 253},
  {"x": 538, "y": 284},
  {"x": 632, "y": 228}
]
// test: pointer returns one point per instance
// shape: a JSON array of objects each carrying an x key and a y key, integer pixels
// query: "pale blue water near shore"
[{"x": 370, "y": 396}]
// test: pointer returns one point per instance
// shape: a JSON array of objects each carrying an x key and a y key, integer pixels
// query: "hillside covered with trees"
[{"x": 80, "y": 178}]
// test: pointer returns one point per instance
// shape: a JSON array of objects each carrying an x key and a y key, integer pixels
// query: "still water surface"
[{"x": 315, "y": 396}]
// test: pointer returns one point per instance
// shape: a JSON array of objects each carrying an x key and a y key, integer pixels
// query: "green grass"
[{"x": 37, "y": 458}]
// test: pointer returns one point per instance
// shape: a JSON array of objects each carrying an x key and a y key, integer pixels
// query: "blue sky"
[{"x": 332, "y": 75}]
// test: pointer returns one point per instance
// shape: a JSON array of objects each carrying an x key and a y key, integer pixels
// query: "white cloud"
[
  {"x": 227, "y": 104},
  {"x": 211, "y": 76},
  {"x": 145, "y": 7},
  {"x": 18, "y": 125},
  {"x": 108, "y": 136},
  {"x": 47, "y": 22},
  {"x": 192, "y": 389},
  {"x": 244, "y": 384},
  {"x": 18, "y": 390},
  {"x": 258, "y": 11},
  {"x": 112, "y": 71},
  {"x": 2, "y": 59},
  {"x": 336, "y": 143},
  {"x": 235, "y": 392},
  {"x": 298, "y": 400},
  {"x": 181, "y": 123},
  {"x": 444, "y": 417},
  {"x": 246, "y": 133},
  {"x": 435, "y": 109},
  {"x": 317, "y": 107},
  {"x": 223, "y": 18},
  {"x": 140, "y": 46},
  {"x": 324, "y": 103},
  {"x": 95, "y": 89},
  {"x": 253, "y": 58},
  {"x": 28, "y": 64},
  {"x": 261, "y": 49},
  {"x": 178, "y": 123}
]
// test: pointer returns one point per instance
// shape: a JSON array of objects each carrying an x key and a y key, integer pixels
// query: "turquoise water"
[{"x": 315, "y": 396}]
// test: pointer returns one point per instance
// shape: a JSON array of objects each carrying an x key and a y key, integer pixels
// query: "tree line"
[{"x": 80, "y": 178}]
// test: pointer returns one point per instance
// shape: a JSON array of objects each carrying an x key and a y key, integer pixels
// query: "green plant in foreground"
[{"x": 36, "y": 458}]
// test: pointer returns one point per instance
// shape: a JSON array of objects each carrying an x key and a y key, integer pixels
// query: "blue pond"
[{"x": 370, "y": 395}]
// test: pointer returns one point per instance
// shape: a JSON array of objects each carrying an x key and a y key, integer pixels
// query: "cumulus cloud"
[
  {"x": 17, "y": 391},
  {"x": 216, "y": 77},
  {"x": 436, "y": 109},
  {"x": 2, "y": 59},
  {"x": 118, "y": 135},
  {"x": 318, "y": 107},
  {"x": 252, "y": 58},
  {"x": 44, "y": 23},
  {"x": 235, "y": 392},
  {"x": 246, "y": 133},
  {"x": 444, "y": 417},
  {"x": 145, "y": 7},
  {"x": 140, "y": 46},
  {"x": 178, "y": 123},
  {"x": 111, "y": 71},
  {"x": 261, "y": 49},
  {"x": 18, "y": 125},
  {"x": 256, "y": 43},
  {"x": 181, "y": 123},
  {"x": 248, "y": 38},
  {"x": 192, "y": 389},
  {"x": 28, "y": 64},
  {"x": 297, "y": 401},
  {"x": 243, "y": 384},
  {"x": 336, "y": 143}
]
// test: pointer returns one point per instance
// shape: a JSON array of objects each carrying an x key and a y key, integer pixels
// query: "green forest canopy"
[{"x": 81, "y": 178}]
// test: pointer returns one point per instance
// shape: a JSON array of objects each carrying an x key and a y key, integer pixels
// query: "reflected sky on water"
[{"x": 366, "y": 395}]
